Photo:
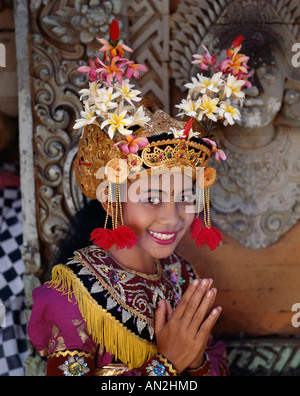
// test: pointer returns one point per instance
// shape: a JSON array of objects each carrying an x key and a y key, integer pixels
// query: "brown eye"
[
  {"x": 154, "y": 200},
  {"x": 187, "y": 199}
]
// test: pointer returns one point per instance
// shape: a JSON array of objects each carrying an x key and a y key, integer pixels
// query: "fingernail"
[
  {"x": 195, "y": 282},
  {"x": 204, "y": 282},
  {"x": 209, "y": 294},
  {"x": 217, "y": 310}
]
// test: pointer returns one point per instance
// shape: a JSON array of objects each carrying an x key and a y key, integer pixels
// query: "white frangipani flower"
[
  {"x": 199, "y": 85},
  {"x": 88, "y": 117},
  {"x": 229, "y": 113},
  {"x": 105, "y": 100},
  {"x": 233, "y": 86},
  {"x": 139, "y": 117},
  {"x": 215, "y": 82},
  {"x": 209, "y": 108},
  {"x": 117, "y": 122},
  {"x": 178, "y": 134},
  {"x": 189, "y": 107},
  {"x": 127, "y": 93}
]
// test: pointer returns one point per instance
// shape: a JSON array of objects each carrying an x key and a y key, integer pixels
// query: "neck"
[{"x": 134, "y": 259}]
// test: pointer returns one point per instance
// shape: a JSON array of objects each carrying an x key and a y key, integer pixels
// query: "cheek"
[
  {"x": 136, "y": 217},
  {"x": 189, "y": 221},
  {"x": 186, "y": 216}
]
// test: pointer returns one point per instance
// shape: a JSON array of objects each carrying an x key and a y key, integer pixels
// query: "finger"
[
  {"x": 195, "y": 302},
  {"x": 215, "y": 291},
  {"x": 160, "y": 316},
  {"x": 181, "y": 307},
  {"x": 169, "y": 310},
  {"x": 202, "y": 311},
  {"x": 210, "y": 282},
  {"x": 209, "y": 323}
]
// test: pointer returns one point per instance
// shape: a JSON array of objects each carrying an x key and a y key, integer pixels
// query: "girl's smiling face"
[{"x": 160, "y": 209}]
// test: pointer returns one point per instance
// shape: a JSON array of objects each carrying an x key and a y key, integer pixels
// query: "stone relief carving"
[
  {"x": 63, "y": 35},
  {"x": 267, "y": 357},
  {"x": 149, "y": 37},
  {"x": 60, "y": 40},
  {"x": 256, "y": 196}
]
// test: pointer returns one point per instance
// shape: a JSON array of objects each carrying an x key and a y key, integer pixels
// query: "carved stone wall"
[
  {"x": 257, "y": 288},
  {"x": 149, "y": 36},
  {"x": 256, "y": 197},
  {"x": 61, "y": 35}
]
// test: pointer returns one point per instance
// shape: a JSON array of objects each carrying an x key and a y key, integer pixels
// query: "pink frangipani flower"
[
  {"x": 205, "y": 60},
  {"x": 89, "y": 70},
  {"x": 133, "y": 70},
  {"x": 114, "y": 70},
  {"x": 132, "y": 144},
  {"x": 219, "y": 154}
]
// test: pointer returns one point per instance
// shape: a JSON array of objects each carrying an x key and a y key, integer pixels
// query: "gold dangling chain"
[
  {"x": 199, "y": 203},
  {"x": 206, "y": 207},
  {"x": 109, "y": 204},
  {"x": 118, "y": 206},
  {"x": 118, "y": 210}
]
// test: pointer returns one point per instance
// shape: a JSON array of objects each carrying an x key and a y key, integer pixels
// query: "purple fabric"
[{"x": 56, "y": 324}]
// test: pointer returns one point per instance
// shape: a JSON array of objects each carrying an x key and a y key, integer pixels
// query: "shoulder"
[
  {"x": 79, "y": 269},
  {"x": 46, "y": 300}
]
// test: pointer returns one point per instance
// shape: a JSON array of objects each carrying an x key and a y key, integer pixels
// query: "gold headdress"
[
  {"x": 121, "y": 138},
  {"x": 169, "y": 151}
]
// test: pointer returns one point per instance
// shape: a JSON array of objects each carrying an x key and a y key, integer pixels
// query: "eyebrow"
[{"x": 150, "y": 190}]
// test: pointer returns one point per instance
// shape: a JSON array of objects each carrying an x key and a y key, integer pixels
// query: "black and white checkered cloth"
[{"x": 13, "y": 346}]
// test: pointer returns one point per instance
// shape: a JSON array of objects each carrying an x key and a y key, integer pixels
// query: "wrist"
[
  {"x": 198, "y": 366},
  {"x": 202, "y": 370}
]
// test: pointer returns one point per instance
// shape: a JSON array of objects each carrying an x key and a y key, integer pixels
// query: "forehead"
[{"x": 166, "y": 182}]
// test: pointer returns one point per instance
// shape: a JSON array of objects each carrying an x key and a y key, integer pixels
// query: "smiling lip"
[{"x": 163, "y": 238}]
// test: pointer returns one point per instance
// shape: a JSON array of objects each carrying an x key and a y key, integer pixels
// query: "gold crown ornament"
[
  {"x": 123, "y": 136},
  {"x": 101, "y": 158}
]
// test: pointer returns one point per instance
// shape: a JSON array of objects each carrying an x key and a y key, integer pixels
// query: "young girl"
[
  {"x": 137, "y": 311},
  {"x": 128, "y": 304}
]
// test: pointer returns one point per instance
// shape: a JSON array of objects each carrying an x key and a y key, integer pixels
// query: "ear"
[{"x": 210, "y": 176}]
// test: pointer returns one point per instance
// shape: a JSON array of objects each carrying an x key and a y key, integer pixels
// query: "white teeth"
[{"x": 163, "y": 237}]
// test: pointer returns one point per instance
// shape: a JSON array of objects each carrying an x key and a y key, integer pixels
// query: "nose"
[
  {"x": 252, "y": 92},
  {"x": 170, "y": 216}
]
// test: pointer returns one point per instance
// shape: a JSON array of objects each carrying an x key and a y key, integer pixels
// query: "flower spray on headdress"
[
  {"x": 211, "y": 102},
  {"x": 109, "y": 104}
]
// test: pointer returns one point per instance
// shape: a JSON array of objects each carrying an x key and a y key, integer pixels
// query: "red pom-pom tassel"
[
  {"x": 205, "y": 236},
  {"x": 122, "y": 237}
]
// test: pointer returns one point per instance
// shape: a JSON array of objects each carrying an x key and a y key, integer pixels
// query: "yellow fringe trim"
[{"x": 104, "y": 328}]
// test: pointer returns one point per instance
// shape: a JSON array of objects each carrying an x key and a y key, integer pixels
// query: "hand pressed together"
[{"x": 182, "y": 334}]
